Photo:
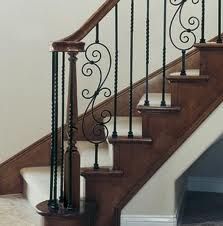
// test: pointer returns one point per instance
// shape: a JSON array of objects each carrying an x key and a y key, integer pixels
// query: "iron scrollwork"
[
  {"x": 187, "y": 37},
  {"x": 92, "y": 67}
]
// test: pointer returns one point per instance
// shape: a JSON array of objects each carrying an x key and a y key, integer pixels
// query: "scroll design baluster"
[
  {"x": 187, "y": 37},
  {"x": 94, "y": 55}
]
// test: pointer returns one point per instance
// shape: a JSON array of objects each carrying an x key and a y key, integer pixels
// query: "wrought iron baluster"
[
  {"x": 99, "y": 131},
  {"x": 203, "y": 23},
  {"x": 163, "y": 102},
  {"x": 97, "y": 34},
  {"x": 130, "y": 133},
  {"x": 62, "y": 128},
  {"x": 147, "y": 53},
  {"x": 56, "y": 131},
  {"x": 115, "y": 133},
  {"x": 183, "y": 70},
  {"x": 219, "y": 40},
  {"x": 54, "y": 139},
  {"x": 187, "y": 37},
  {"x": 52, "y": 133},
  {"x": 96, "y": 165}
]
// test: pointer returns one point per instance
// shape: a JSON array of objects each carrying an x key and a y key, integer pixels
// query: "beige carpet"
[{"x": 15, "y": 210}]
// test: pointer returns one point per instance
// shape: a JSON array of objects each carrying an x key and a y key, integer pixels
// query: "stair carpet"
[{"x": 36, "y": 179}]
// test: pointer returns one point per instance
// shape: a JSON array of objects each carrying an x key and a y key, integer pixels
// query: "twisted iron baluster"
[
  {"x": 115, "y": 134},
  {"x": 219, "y": 40},
  {"x": 56, "y": 131},
  {"x": 203, "y": 23},
  {"x": 130, "y": 133},
  {"x": 54, "y": 143},
  {"x": 62, "y": 129},
  {"x": 163, "y": 102},
  {"x": 147, "y": 54},
  {"x": 52, "y": 132}
]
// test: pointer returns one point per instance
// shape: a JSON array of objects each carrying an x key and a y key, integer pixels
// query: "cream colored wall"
[{"x": 25, "y": 65}]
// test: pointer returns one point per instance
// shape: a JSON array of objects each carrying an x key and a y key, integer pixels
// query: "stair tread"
[
  {"x": 189, "y": 72},
  {"x": 103, "y": 171},
  {"x": 209, "y": 45},
  {"x": 125, "y": 139},
  {"x": 150, "y": 109},
  {"x": 16, "y": 210},
  {"x": 37, "y": 178},
  {"x": 155, "y": 99},
  {"x": 123, "y": 125}
]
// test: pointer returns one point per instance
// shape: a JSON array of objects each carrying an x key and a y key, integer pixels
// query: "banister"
[{"x": 72, "y": 43}]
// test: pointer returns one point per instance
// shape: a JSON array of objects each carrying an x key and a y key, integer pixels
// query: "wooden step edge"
[
  {"x": 209, "y": 45},
  {"x": 44, "y": 210},
  {"x": 101, "y": 172},
  {"x": 187, "y": 78},
  {"x": 127, "y": 140},
  {"x": 152, "y": 109}
]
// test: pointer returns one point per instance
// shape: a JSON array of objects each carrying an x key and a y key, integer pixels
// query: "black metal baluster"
[
  {"x": 203, "y": 23},
  {"x": 54, "y": 143},
  {"x": 97, "y": 34},
  {"x": 183, "y": 70},
  {"x": 130, "y": 133},
  {"x": 219, "y": 40},
  {"x": 56, "y": 131},
  {"x": 62, "y": 129},
  {"x": 115, "y": 134},
  {"x": 163, "y": 102},
  {"x": 52, "y": 132},
  {"x": 147, "y": 54},
  {"x": 96, "y": 165}
]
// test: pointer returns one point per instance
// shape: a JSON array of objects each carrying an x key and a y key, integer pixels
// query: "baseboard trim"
[
  {"x": 143, "y": 220},
  {"x": 205, "y": 184}
]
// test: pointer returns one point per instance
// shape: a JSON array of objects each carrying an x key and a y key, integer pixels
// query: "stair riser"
[
  {"x": 134, "y": 160},
  {"x": 182, "y": 92},
  {"x": 210, "y": 59}
]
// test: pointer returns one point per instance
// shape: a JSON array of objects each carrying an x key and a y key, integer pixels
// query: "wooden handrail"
[{"x": 73, "y": 43}]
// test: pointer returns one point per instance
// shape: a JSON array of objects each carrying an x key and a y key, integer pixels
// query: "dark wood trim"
[
  {"x": 67, "y": 46},
  {"x": 73, "y": 42},
  {"x": 187, "y": 78}
]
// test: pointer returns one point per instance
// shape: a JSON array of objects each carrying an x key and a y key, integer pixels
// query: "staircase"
[{"x": 103, "y": 158}]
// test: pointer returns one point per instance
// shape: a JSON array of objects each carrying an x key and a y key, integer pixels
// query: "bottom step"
[
  {"x": 202, "y": 209},
  {"x": 15, "y": 210}
]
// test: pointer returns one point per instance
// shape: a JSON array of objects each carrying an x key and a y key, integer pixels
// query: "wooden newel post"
[{"x": 72, "y": 156}]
